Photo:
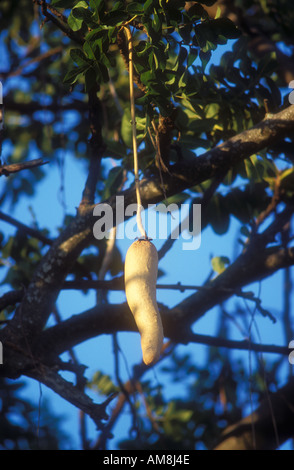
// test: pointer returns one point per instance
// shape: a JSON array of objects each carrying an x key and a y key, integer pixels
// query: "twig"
[
  {"x": 272, "y": 205},
  {"x": 6, "y": 170},
  {"x": 33, "y": 106},
  {"x": 287, "y": 300},
  {"x": 130, "y": 387},
  {"x": 69, "y": 392},
  {"x": 59, "y": 22},
  {"x": 152, "y": 419},
  {"x": 30, "y": 231},
  {"x": 45, "y": 55},
  {"x": 11, "y": 298},
  {"x": 243, "y": 345},
  {"x": 160, "y": 163},
  {"x": 78, "y": 370},
  {"x": 116, "y": 350}
]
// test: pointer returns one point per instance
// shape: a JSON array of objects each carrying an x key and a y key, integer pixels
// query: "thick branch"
[
  {"x": 272, "y": 423},
  {"x": 107, "y": 319},
  {"x": 110, "y": 318}
]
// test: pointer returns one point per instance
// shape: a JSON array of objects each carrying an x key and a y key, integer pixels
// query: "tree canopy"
[{"x": 215, "y": 126}]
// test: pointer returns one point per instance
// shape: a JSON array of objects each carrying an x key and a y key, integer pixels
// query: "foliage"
[
  {"x": 200, "y": 80},
  {"x": 21, "y": 428}
]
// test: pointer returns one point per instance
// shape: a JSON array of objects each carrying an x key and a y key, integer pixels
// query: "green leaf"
[
  {"x": 74, "y": 23},
  {"x": 178, "y": 199},
  {"x": 171, "y": 77},
  {"x": 84, "y": 14},
  {"x": 193, "y": 54},
  {"x": 113, "y": 182},
  {"x": 205, "y": 58},
  {"x": 116, "y": 17},
  {"x": 287, "y": 180},
  {"x": 135, "y": 8},
  {"x": 219, "y": 263},
  {"x": 142, "y": 124},
  {"x": 143, "y": 48},
  {"x": 72, "y": 75},
  {"x": 63, "y": 3},
  {"x": 153, "y": 35},
  {"x": 147, "y": 77},
  {"x": 97, "y": 33},
  {"x": 79, "y": 57},
  {"x": 253, "y": 168},
  {"x": 183, "y": 79},
  {"x": 209, "y": 46},
  {"x": 148, "y": 7},
  {"x": 156, "y": 23},
  {"x": 196, "y": 12},
  {"x": 92, "y": 50},
  {"x": 225, "y": 27},
  {"x": 159, "y": 56},
  {"x": 217, "y": 215},
  {"x": 97, "y": 4},
  {"x": 103, "y": 383},
  {"x": 199, "y": 40},
  {"x": 81, "y": 4},
  {"x": 115, "y": 149},
  {"x": 185, "y": 33},
  {"x": 126, "y": 128}
]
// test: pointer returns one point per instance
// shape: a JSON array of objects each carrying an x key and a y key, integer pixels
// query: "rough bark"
[{"x": 267, "y": 427}]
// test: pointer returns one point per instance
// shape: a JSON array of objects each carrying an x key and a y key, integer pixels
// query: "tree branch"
[
  {"x": 11, "y": 298},
  {"x": 30, "y": 231},
  {"x": 33, "y": 106},
  {"x": 7, "y": 170},
  {"x": 97, "y": 148},
  {"x": 69, "y": 392},
  {"x": 19, "y": 70},
  {"x": 276, "y": 415},
  {"x": 106, "y": 319},
  {"x": 248, "y": 268},
  {"x": 59, "y": 20}
]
